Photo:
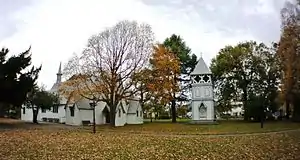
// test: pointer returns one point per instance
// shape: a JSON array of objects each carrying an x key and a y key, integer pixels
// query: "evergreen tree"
[
  {"x": 15, "y": 81},
  {"x": 187, "y": 61}
]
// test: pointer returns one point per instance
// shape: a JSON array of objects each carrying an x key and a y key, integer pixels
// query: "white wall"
[
  {"x": 49, "y": 114},
  {"x": 209, "y": 111},
  {"x": 62, "y": 114},
  {"x": 120, "y": 120},
  {"x": 100, "y": 118},
  {"x": 86, "y": 115},
  {"x": 75, "y": 120},
  {"x": 134, "y": 118},
  {"x": 28, "y": 116}
]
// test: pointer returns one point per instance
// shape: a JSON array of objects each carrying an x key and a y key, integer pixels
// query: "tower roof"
[
  {"x": 201, "y": 68},
  {"x": 56, "y": 85},
  {"x": 59, "y": 69}
]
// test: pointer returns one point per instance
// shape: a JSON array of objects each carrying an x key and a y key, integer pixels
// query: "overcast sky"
[{"x": 58, "y": 28}]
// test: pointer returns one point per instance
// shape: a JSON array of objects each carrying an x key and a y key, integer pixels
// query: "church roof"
[
  {"x": 201, "y": 68},
  {"x": 54, "y": 88},
  {"x": 59, "y": 69}
]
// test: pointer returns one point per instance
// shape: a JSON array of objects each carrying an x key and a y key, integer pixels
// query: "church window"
[
  {"x": 141, "y": 113},
  {"x": 72, "y": 111},
  {"x": 137, "y": 113},
  {"x": 55, "y": 109},
  {"x": 24, "y": 110},
  {"x": 119, "y": 112},
  {"x": 43, "y": 110}
]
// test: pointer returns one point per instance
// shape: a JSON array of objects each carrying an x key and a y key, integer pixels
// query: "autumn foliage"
[
  {"x": 288, "y": 52},
  {"x": 165, "y": 67}
]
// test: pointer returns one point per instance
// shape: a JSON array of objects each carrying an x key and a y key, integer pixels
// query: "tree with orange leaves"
[
  {"x": 165, "y": 67},
  {"x": 288, "y": 52}
]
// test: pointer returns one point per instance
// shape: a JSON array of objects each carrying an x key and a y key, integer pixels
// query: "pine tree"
[{"x": 15, "y": 81}]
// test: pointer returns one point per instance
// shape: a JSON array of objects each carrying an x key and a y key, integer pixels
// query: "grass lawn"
[
  {"x": 151, "y": 141},
  {"x": 183, "y": 128}
]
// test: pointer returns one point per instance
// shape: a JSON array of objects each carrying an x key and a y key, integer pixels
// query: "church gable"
[
  {"x": 133, "y": 107},
  {"x": 121, "y": 107}
]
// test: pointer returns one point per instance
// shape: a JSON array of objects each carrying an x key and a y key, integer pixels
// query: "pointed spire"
[
  {"x": 59, "y": 74},
  {"x": 201, "y": 68},
  {"x": 59, "y": 69}
]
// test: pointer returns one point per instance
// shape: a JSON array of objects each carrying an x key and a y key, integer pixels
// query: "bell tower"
[{"x": 202, "y": 94}]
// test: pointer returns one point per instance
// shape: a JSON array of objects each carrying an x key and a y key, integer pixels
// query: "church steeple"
[{"x": 59, "y": 74}]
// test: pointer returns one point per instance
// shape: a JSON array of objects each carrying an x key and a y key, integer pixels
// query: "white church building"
[{"x": 80, "y": 112}]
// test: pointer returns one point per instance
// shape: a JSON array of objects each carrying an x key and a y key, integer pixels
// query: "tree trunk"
[
  {"x": 35, "y": 114},
  {"x": 245, "y": 103},
  {"x": 287, "y": 105},
  {"x": 296, "y": 112},
  {"x": 262, "y": 117},
  {"x": 112, "y": 116},
  {"x": 173, "y": 110}
]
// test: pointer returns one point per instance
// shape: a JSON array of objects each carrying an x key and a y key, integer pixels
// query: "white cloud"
[{"x": 57, "y": 29}]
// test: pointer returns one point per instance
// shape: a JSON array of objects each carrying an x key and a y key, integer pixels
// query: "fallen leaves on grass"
[{"x": 76, "y": 144}]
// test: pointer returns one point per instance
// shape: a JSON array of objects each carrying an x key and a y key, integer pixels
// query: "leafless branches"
[{"x": 110, "y": 60}]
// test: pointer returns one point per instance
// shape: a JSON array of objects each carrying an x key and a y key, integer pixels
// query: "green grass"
[{"x": 224, "y": 127}]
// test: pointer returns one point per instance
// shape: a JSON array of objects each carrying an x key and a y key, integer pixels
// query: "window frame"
[{"x": 55, "y": 109}]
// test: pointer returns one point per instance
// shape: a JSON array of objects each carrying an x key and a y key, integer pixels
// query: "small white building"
[
  {"x": 55, "y": 113},
  {"x": 236, "y": 110},
  {"x": 202, "y": 103},
  {"x": 80, "y": 112}
]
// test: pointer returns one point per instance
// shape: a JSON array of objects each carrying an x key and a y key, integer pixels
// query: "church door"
[{"x": 106, "y": 115}]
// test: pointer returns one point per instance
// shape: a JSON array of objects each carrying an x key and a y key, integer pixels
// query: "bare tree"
[{"x": 105, "y": 69}]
